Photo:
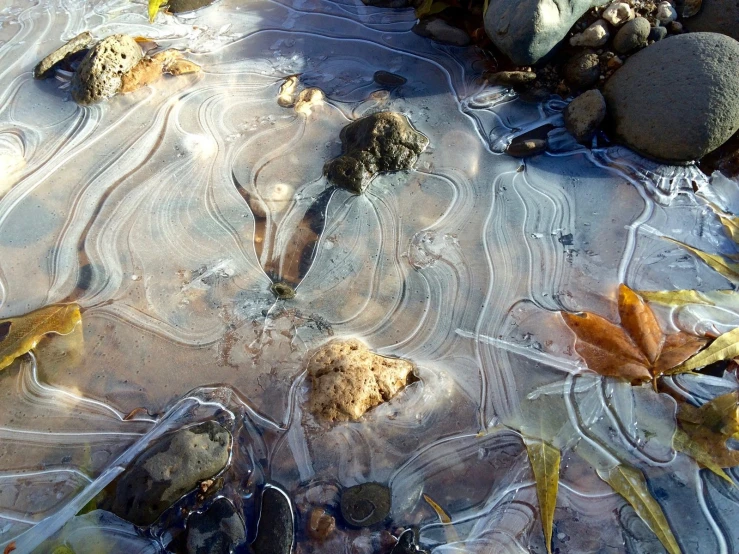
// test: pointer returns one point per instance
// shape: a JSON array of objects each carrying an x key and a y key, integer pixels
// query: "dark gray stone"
[
  {"x": 634, "y": 34},
  {"x": 439, "y": 30},
  {"x": 512, "y": 78},
  {"x": 99, "y": 74},
  {"x": 217, "y": 530},
  {"x": 678, "y": 99},
  {"x": 657, "y": 33},
  {"x": 366, "y": 504},
  {"x": 77, "y": 44},
  {"x": 526, "y": 148},
  {"x": 184, "y": 6},
  {"x": 275, "y": 531},
  {"x": 170, "y": 468},
  {"x": 408, "y": 543},
  {"x": 584, "y": 114},
  {"x": 527, "y": 30},
  {"x": 387, "y": 79},
  {"x": 716, "y": 16},
  {"x": 377, "y": 143},
  {"x": 582, "y": 70}
]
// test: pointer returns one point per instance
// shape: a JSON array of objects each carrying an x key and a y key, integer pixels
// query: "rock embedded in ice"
[
  {"x": 320, "y": 524},
  {"x": 217, "y": 530},
  {"x": 632, "y": 35},
  {"x": 524, "y": 148},
  {"x": 512, "y": 78},
  {"x": 366, "y": 504},
  {"x": 584, "y": 114},
  {"x": 408, "y": 543},
  {"x": 381, "y": 142},
  {"x": 276, "y": 528},
  {"x": 347, "y": 379},
  {"x": 77, "y": 44},
  {"x": 99, "y": 75},
  {"x": 170, "y": 468},
  {"x": 184, "y": 6},
  {"x": 527, "y": 30},
  {"x": 594, "y": 36},
  {"x": 678, "y": 99}
]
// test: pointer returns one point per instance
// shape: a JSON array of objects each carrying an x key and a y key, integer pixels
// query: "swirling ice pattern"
[{"x": 167, "y": 214}]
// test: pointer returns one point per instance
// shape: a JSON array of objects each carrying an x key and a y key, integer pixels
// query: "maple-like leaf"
[
  {"x": 638, "y": 349},
  {"x": 24, "y": 332},
  {"x": 711, "y": 425}
]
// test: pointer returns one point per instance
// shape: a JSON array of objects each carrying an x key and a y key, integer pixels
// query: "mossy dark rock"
[
  {"x": 77, "y": 44},
  {"x": 377, "y": 143},
  {"x": 678, "y": 99},
  {"x": 366, "y": 504},
  {"x": 170, "y": 468},
  {"x": 275, "y": 532},
  {"x": 217, "y": 530}
]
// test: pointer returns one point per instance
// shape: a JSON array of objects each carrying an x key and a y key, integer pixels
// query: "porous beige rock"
[{"x": 347, "y": 379}]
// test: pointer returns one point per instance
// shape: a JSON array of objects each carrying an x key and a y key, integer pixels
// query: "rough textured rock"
[
  {"x": 527, "y": 30},
  {"x": 348, "y": 379},
  {"x": 594, "y": 36},
  {"x": 276, "y": 528},
  {"x": 582, "y": 70},
  {"x": 584, "y": 114},
  {"x": 716, "y": 16},
  {"x": 439, "y": 30},
  {"x": 678, "y": 99},
  {"x": 170, "y": 468},
  {"x": 512, "y": 78},
  {"x": 218, "y": 530},
  {"x": 632, "y": 35},
  {"x": 77, "y": 44},
  {"x": 380, "y": 142},
  {"x": 618, "y": 13},
  {"x": 184, "y": 6},
  {"x": 366, "y": 504},
  {"x": 99, "y": 74}
]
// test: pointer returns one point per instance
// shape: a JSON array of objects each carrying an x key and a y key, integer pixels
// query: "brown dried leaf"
[
  {"x": 677, "y": 348},
  {"x": 711, "y": 425},
  {"x": 639, "y": 321}
]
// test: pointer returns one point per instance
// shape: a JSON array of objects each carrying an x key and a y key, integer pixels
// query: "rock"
[
  {"x": 512, "y": 78},
  {"x": 99, "y": 74},
  {"x": 594, "y": 36},
  {"x": 283, "y": 291},
  {"x": 527, "y": 30},
  {"x": 618, "y": 13},
  {"x": 584, "y": 114},
  {"x": 657, "y": 33},
  {"x": 408, "y": 543},
  {"x": 688, "y": 8},
  {"x": 526, "y": 148},
  {"x": 366, "y": 504},
  {"x": 716, "y": 16},
  {"x": 320, "y": 524},
  {"x": 77, "y": 44},
  {"x": 582, "y": 70},
  {"x": 217, "y": 530},
  {"x": 678, "y": 99},
  {"x": 376, "y": 143},
  {"x": 632, "y": 35},
  {"x": 275, "y": 531},
  {"x": 387, "y": 79},
  {"x": 347, "y": 379},
  {"x": 184, "y": 6},
  {"x": 666, "y": 13},
  {"x": 439, "y": 30},
  {"x": 170, "y": 468},
  {"x": 675, "y": 27}
]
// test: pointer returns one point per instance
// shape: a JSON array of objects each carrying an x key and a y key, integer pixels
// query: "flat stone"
[
  {"x": 584, "y": 114},
  {"x": 77, "y": 44},
  {"x": 366, "y": 504},
  {"x": 678, "y": 99},
  {"x": 381, "y": 142},
  {"x": 526, "y": 148},
  {"x": 217, "y": 530},
  {"x": 275, "y": 531},
  {"x": 716, "y": 16},
  {"x": 170, "y": 468},
  {"x": 528, "y": 30},
  {"x": 387, "y": 79},
  {"x": 632, "y": 35}
]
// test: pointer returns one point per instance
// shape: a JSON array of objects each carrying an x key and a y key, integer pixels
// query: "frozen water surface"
[{"x": 168, "y": 213}]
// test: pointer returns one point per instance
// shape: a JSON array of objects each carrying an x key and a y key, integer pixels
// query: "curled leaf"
[
  {"x": 724, "y": 347},
  {"x": 545, "y": 460},
  {"x": 26, "y": 331},
  {"x": 444, "y": 518},
  {"x": 717, "y": 262},
  {"x": 711, "y": 425},
  {"x": 631, "y": 484}
]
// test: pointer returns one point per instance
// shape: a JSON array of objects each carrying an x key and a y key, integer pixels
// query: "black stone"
[
  {"x": 275, "y": 531},
  {"x": 217, "y": 530},
  {"x": 387, "y": 79},
  {"x": 408, "y": 543}
]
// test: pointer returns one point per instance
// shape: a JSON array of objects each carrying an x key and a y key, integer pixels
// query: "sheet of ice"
[{"x": 141, "y": 209}]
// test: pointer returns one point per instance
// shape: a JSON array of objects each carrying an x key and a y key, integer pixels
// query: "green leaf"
[
  {"x": 545, "y": 460},
  {"x": 685, "y": 444},
  {"x": 717, "y": 262},
  {"x": 631, "y": 484},
  {"x": 725, "y": 347}
]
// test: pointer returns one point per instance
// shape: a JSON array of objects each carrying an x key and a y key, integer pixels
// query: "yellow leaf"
[
  {"x": 544, "y": 460},
  {"x": 424, "y": 8},
  {"x": 26, "y": 331},
  {"x": 730, "y": 222},
  {"x": 717, "y": 262},
  {"x": 676, "y": 297},
  {"x": 630, "y": 483},
  {"x": 684, "y": 443},
  {"x": 711, "y": 425},
  {"x": 723, "y": 348},
  {"x": 154, "y": 6},
  {"x": 451, "y": 534}
]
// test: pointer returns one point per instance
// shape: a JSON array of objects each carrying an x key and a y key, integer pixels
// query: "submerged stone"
[
  {"x": 217, "y": 530},
  {"x": 275, "y": 531},
  {"x": 170, "y": 468},
  {"x": 376, "y": 143},
  {"x": 282, "y": 291},
  {"x": 184, "y": 6},
  {"x": 100, "y": 73},
  {"x": 77, "y": 44},
  {"x": 366, "y": 504},
  {"x": 408, "y": 543},
  {"x": 387, "y": 79}
]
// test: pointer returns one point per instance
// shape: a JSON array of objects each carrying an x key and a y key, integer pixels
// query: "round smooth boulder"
[
  {"x": 716, "y": 16},
  {"x": 678, "y": 99}
]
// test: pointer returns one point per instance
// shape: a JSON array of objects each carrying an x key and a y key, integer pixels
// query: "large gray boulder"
[
  {"x": 716, "y": 16},
  {"x": 678, "y": 99},
  {"x": 527, "y": 30}
]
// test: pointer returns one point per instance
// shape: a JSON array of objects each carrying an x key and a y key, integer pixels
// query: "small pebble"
[
  {"x": 618, "y": 13},
  {"x": 675, "y": 27},
  {"x": 526, "y": 148},
  {"x": 666, "y": 13},
  {"x": 657, "y": 33},
  {"x": 594, "y": 36},
  {"x": 511, "y": 78},
  {"x": 320, "y": 524},
  {"x": 387, "y": 79}
]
